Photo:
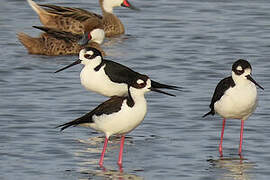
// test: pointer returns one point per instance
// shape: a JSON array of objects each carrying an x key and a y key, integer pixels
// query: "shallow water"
[{"x": 191, "y": 44}]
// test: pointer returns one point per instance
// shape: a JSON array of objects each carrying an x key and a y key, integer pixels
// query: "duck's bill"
[
  {"x": 68, "y": 66},
  {"x": 84, "y": 40},
  {"x": 159, "y": 91},
  {"x": 128, "y": 5},
  {"x": 252, "y": 80}
]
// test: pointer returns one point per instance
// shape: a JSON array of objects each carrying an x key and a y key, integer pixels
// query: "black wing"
[
  {"x": 110, "y": 106},
  {"x": 119, "y": 73},
  {"x": 222, "y": 86}
]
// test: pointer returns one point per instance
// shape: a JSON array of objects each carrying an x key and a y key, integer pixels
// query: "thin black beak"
[
  {"x": 252, "y": 80},
  {"x": 165, "y": 86},
  {"x": 159, "y": 91},
  {"x": 84, "y": 40},
  {"x": 68, "y": 66},
  {"x": 128, "y": 5}
]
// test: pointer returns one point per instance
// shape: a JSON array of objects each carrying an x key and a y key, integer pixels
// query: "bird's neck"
[
  {"x": 239, "y": 81},
  {"x": 98, "y": 65},
  {"x": 106, "y": 7},
  {"x": 136, "y": 97}
]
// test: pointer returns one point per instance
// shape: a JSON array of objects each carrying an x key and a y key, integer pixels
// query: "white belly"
[
  {"x": 98, "y": 82},
  {"x": 238, "y": 102},
  {"x": 120, "y": 122}
]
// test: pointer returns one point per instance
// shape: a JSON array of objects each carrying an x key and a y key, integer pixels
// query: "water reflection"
[
  {"x": 89, "y": 157},
  {"x": 235, "y": 168},
  {"x": 119, "y": 41},
  {"x": 105, "y": 173}
]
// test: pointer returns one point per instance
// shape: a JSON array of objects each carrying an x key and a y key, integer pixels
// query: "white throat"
[
  {"x": 241, "y": 80},
  {"x": 136, "y": 94},
  {"x": 108, "y": 6},
  {"x": 98, "y": 35}
]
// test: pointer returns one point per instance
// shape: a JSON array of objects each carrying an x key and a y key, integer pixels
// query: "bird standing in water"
[
  {"x": 235, "y": 97},
  {"x": 118, "y": 115}
]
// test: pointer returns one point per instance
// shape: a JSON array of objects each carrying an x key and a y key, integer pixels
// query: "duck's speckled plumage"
[
  {"x": 76, "y": 20},
  {"x": 54, "y": 42}
]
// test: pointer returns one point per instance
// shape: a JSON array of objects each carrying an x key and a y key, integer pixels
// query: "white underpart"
[
  {"x": 240, "y": 101},
  {"x": 125, "y": 120},
  {"x": 98, "y": 35},
  {"x": 99, "y": 82},
  {"x": 108, "y": 5}
]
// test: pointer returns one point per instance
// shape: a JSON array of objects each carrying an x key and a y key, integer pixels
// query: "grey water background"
[{"x": 188, "y": 43}]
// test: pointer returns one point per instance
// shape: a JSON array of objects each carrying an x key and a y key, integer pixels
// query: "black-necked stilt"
[
  {"x": 107, "y": 77},
  {"x": 235, "y": 97},
  {"x": 118, "y": 115}
]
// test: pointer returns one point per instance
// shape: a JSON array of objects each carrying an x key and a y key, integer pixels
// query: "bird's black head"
[
  {"x": 87, "y": 56},
  {"x": 242, "y": 72},
  {"x": 142, "y": 84},
  {"x": 240, "y": 66},
  {"x": 90, "y": 53}
]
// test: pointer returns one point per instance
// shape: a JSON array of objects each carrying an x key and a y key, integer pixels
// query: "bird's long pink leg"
[
  {"x": 221, "y": 138},
  {"x": 103, "y": 151},
  {"x": 241, "y": 138},
  {"x": 121, "y": 150}
]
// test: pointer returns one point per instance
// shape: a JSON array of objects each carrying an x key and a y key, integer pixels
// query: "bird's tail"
[
  {"x": 85, "y": 119},
  {"x": 36, "y": 7},
  {"x": 32, "y": 44},
  {"x": 165, "y": 86},
  {"x": 212, "y": 112},
  {"x": 66, "y": 125},
  {"x": 44, "y": 15}
]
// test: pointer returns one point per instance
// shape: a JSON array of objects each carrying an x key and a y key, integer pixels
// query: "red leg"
[
  {"x": 121, "y": 150},
  {"x": 241, "y": 137},
  {"x": 103, "y": 152},
  {"x": 221, "y": 138}
]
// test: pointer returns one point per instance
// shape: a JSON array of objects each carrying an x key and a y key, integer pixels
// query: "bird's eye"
[
  {"x": 87, "y": 56},
  {"x": 239, "y": 72},
  {"x": 142, "y": 85}
]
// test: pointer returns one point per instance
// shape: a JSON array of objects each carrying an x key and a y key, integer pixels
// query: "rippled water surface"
[{"x": 191, "y": 44}]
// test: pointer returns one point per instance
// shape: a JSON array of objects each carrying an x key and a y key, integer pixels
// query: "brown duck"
[
  {"x": 75, "y": 19},
  {"x": 54, "y": 42}
]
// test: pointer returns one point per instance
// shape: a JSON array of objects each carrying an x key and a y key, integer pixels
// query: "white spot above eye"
[
  {"x": 90, "y": 53},
  {"x": 239, "y": 68},
  {"x": 139, "y": 81}
]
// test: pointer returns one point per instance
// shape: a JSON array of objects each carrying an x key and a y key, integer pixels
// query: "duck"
[
  {"x": 75, "y": 20},
  {"x": 54, "y": 42}
]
